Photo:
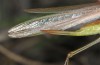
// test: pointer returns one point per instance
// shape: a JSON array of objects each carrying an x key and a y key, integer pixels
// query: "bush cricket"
[{"x": 61, "y": 19}]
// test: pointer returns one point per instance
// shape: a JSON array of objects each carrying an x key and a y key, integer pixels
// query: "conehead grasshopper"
[{"x": 62, "y": 18}]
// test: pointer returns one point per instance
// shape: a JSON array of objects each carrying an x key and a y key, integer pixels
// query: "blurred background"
[{"x": 43, "y": 49}]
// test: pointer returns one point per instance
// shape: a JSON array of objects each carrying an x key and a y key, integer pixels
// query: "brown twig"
[{"x": 20, "y": 59}]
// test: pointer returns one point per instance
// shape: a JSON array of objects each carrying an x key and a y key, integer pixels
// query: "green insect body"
[
  {"x": 85, "y": 31},
  {"x": 89, "y": 29}
]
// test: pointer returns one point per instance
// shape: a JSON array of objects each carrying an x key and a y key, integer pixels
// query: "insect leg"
[
  {"x": 70, "y": 33},
  {"x": 71, "y": 54}
]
